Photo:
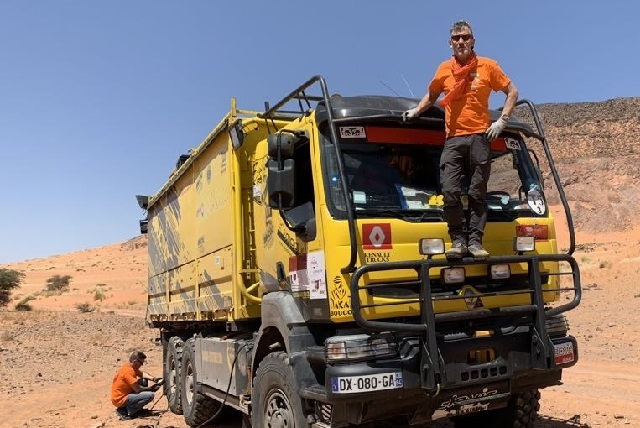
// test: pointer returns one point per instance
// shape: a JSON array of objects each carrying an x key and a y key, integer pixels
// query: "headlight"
[
  {"x": 360, "y": 347},
  {"x": 500, "y": 271},
  {"x": 524, "y": 243},
  {"x": 431, "y": 246},
  {"x": 455, "y": 275}
]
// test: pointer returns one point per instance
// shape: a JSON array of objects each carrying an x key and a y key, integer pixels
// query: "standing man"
[
  {"x": 467, "y": 81},
  {"x": 129, "y": 392}
]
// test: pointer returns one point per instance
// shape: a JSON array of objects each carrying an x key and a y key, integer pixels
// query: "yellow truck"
[{"x": 297, "y": 272}]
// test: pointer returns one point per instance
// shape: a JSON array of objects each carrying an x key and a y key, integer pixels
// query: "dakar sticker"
[
  {"x": 511, "y": 144},
  {"x": 339, "y": 299},
  {"x": 471, "y": 298},
  {"x": 376, "y": 236},
  {"x": 352, "y": 132}
]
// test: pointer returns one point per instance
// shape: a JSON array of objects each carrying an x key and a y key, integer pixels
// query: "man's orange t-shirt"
[
  {"x": 469, "y": 114},
  {"x": 121, "y": 385}
]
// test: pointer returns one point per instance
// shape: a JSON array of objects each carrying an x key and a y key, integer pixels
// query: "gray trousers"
[{"x": 465, "y": 156}]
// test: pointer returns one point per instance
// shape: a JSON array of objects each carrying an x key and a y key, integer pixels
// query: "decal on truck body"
[
  {"x": 307, "y": 272},
  {"x": 376, "y": 236}
]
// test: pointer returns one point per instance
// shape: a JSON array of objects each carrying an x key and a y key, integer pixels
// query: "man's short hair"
[
  {"x": 137, "y": 355},
  {"x": 459, "y": 25}
]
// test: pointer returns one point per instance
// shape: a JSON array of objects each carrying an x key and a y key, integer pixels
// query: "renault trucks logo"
[{"x": 376, "y": 236}]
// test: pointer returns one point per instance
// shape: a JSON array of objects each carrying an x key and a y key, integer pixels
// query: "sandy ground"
[{"x": 57, "y": 362}]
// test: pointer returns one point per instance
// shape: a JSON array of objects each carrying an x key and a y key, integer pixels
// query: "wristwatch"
[{"x": 505, "y": 117}]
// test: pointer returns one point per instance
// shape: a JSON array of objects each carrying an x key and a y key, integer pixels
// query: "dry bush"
[
  {"x": 7, "y": 336},
  {"x": 23, "y": 304},
  {"x": 605, "y": 264},
  {"x": 98, "y": 292},
  {"x": 85, "y": 307},
  {"x": 9, "y": 280},
  {"x": 58, "y": 283}
]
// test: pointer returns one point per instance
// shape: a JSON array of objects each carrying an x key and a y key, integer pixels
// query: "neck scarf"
[{"x": 461, "y": 75}]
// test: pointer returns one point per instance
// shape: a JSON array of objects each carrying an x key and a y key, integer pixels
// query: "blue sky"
[{"x": 99, "y": 98}]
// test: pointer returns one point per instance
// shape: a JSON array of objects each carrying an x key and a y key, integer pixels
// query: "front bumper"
[{"x": 376, "y": 390}]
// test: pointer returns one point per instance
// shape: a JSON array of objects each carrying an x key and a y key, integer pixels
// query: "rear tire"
[
  {"x": 521, "y": 412},
  {"x": 197, "y": 408},
  {"x": 171, "y": 374},
  {"x": 275, "y": 398}
]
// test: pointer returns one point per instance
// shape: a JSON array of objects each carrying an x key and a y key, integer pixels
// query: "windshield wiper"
[{"x": 499, "y": 215}]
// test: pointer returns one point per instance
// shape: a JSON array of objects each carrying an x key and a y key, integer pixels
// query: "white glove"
[
  {"x": 410, "y": 114},
  {"x": 495, "y": 129}
]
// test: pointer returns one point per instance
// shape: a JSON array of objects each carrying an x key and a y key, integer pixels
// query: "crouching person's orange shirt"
[{"x": 121, "y": 385}]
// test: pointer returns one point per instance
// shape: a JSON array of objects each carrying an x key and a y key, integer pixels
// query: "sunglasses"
[{"x": 458, "y": 37}]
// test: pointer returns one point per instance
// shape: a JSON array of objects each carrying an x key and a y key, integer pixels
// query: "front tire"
[
  {"x": 171, "y": 374},
  {"x": 196, "y": 407},
  {"x": 275, "y": 398}
]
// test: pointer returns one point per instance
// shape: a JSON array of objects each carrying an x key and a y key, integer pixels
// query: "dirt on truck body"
[{"x": 297, "y": 272}]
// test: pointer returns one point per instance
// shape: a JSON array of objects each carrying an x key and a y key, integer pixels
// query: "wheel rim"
[
  {"x": 278, "y": 410},
  {"x": 188, "y": 383},
  {"x": 172, "y": 381}
]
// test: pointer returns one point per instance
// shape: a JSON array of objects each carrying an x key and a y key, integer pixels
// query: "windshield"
[{"x": 395, "y": 172}]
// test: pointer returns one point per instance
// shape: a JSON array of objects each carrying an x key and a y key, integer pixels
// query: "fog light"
[
  {"x": 453, "y": 275},
  {"x": 500, "y": 271},
  {"x": 431, "y": 246},
  {"x": 524, "y": 243}
]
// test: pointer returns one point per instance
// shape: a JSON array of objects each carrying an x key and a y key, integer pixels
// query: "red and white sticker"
[
  {"x": 376, "y": 236},
  {"x": 298, "y": 277},
  {"x": 563, "y": 352},
  {"x": 307, "y": 273}
]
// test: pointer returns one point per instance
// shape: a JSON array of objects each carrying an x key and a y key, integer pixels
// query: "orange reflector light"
[{"x": 538, "y": 231}]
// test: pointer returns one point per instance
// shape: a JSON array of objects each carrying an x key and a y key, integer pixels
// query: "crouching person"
[{"x": 129, "y": 390}]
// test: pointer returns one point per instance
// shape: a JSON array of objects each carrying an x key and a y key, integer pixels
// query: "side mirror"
[
  {"x": 281, "y": 183},
  {"x": 181, "y": 160},
  {"x": 144, "y": 226},
  {"x": 281, "y": 145},
  {"x": 236, "y": 135},
  {"x": 280, "y": 168},
  {"x": 143, "y": 201},
  {"x": 302, "y": 221}
]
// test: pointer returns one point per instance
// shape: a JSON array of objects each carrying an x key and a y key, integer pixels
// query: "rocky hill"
[
  {"x": 596, "y": 148},
  {"x": 593, "y": 130}
]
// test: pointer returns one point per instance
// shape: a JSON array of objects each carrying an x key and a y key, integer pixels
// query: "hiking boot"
[
  {"x": 478, "y": 252},
  {"x": 457, "y": 251},
  {"x": 122, "y": 414}
]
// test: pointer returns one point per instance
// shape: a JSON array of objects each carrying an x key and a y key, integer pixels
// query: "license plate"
[
  {"x": 563, "y": 352},
  {"x": 377, "y": 382}
]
